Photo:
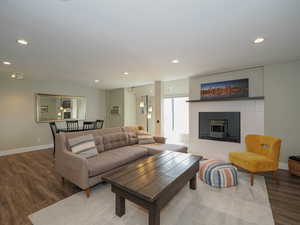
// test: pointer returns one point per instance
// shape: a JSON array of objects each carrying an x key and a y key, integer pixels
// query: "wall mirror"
[{"x": 59, "y": 108}]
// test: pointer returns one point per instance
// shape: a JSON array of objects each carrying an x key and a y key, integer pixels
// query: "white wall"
[
  {"x": 252, "y": 113},
  {"x": 282, "y": 106},
  {"x": 17, "y": 110},
  {"x": 176, "y": 88},
  {"x": 129, "y": 107},
  {"x": 115, "y": 97}
]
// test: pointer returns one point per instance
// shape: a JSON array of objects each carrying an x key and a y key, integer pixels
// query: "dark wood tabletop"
[
  {"x": 150, "y": 176},
  {"x": 151, "y": 182},
  {"x": 80, "y": 128}
]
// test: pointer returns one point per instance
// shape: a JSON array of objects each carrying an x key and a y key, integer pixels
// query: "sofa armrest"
[
  {"x": 71, "y": 166},
  {"x": 158, "y": 139}
]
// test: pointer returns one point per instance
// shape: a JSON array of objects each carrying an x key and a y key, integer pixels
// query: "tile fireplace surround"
[{"x": 252, "y": 121}]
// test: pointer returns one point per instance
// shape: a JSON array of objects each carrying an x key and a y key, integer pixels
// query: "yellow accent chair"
[{"x": 262, "y": 155}]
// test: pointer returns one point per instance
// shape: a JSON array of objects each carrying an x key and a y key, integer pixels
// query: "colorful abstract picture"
[{"x": 225, "y": 89}]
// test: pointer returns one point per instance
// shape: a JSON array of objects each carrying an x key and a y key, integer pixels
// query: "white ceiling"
[{"x": 84, "y": 40}]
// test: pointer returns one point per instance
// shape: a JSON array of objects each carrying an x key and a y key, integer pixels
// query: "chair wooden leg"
[
  {"x": 252, "y": 179},
  {"x": 274, "y": 174},
  {"x": 62, "y": 180},
  {"x": 87, "y": 192}
]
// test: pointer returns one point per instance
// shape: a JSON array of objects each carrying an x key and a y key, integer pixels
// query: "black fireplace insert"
[{"x": 220, "y": 126}]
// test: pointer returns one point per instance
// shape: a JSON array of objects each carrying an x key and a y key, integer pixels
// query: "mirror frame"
[{"x": 37, "y": 106}]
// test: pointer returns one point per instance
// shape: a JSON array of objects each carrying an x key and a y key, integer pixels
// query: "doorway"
[{"x": 176, "y": 120}]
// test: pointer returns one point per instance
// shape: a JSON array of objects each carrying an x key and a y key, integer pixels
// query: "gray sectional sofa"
[{"x": 116, "y": 147}]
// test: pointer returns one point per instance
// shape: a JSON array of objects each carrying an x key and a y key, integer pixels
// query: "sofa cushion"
[
  {"x": 99, "y": 143},
  {"x": 158, "y": 148},
  {"x": 115, "y": 140},
  {"x": 142, "y": 132},
  {"x": 159, "y": 139},
  {"x": 83, "y": 146},
  {"x": 112, "y": 159},
  {"x": 145, "y": 139},
  {"x": 111, "y": 130},
  {"x": 133, "y": 129},
  {"x": 97, "y": 138},
  {"x": 132, "y": 138}
]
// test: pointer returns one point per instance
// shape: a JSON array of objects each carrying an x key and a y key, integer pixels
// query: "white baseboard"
[
  {"x": 283, "y": 166},
  {"x": 25, "y": 149}
]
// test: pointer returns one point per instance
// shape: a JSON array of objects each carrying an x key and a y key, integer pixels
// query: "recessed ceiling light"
[
  {"x": 259, "y": 40},
  {"x": 13, "y": 76},
  {"x": 6, "y": 63},
  {"x": 125, "y": 73},
  {"x": 22, "y": 42},
  {"x": 96, "y": 81},
  {"x": 175, "y": 61}
]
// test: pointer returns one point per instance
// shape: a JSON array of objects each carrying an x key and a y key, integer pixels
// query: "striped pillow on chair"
[{"x": 83, "y": 146}]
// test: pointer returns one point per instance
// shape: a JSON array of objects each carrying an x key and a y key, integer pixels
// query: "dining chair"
[
  {"x": 72, "y": 125},
  {"x": 99, "y": 124},
  {"x": 89, "y": 125},
  {"x": 54, "y": 132}
]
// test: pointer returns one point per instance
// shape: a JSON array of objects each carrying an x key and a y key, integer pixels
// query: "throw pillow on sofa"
[
  {"x": 142, "y": 132},
  {"x": 145, "y": 138},
  {"x": 83, "y": 146}
]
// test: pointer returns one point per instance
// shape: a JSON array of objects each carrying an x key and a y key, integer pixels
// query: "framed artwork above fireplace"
[{"x": 225, "y": 89}]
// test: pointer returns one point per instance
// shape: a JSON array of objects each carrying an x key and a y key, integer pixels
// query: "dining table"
[{"x": 79, "y": 128}]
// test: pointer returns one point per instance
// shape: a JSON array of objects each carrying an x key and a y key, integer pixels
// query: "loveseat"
[{"x": 116, "y": 147}]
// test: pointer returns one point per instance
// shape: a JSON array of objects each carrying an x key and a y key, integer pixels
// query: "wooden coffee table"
[{"x": 152, "y": 182}]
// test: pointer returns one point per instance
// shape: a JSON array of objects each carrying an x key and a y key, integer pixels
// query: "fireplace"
[{"x": 220, "y": 126}]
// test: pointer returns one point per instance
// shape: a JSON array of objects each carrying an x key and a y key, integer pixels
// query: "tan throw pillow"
[
  {"x": 142, "y": 132},
  {"x": 83, "y": 146},
  {"x": 145, "y": 139}
]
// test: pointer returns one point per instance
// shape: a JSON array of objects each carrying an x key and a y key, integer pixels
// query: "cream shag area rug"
[{"x": 241, "y": 205}]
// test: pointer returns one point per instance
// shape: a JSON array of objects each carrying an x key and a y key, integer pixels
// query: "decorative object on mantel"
[
  {"x": 225, "y": 89},
  {"x": 294, "y": 165},
  {"x": 228, "y": 99}
]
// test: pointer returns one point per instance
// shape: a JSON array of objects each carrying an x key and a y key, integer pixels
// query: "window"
[{"x": 176, "y": 119}]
